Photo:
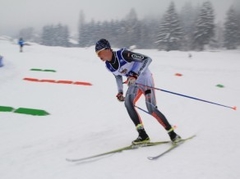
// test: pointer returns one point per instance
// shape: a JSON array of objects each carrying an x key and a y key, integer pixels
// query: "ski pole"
[
  {"x": 186, "y": 96},
  {"x": 142, "y": 109},
  {"x": 174, "y": 126}
]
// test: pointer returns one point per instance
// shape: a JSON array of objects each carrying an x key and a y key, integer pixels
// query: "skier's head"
[
  {"x": 102, "y": 44},
  {"x": 103, "y": 50}
]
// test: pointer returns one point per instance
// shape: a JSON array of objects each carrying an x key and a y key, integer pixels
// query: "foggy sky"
[{"x": 18, "y": 14}]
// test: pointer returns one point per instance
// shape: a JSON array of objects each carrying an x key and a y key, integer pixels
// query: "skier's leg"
[
  {"x": 132, "y": 95},
  {"x": 150, "y": 100}
]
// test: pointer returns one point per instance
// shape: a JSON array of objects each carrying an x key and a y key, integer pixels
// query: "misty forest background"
[{"x": 193, "y": 28}]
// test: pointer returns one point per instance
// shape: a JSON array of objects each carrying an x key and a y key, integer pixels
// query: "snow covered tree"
[
  {"x": 60, "y": 35},
  {"x": 232, "y": 30},
  {"x": 131, "y": 28},
  {"x": 55, "y": 35},
  {"x": 188, "y": 17},
  {"x": 148, "y": 30},
  {"x": 63, "y": 32},
  {"x": 204, "y": 32},
  {"x": 170, "y": 33},
  {"x": 82, "y": 31},
  {"x": 219, "y": 35},
  {"x": 47, "y": 36},
  {"x": 238, "y": 25},
  {"x": 116, "y": 32}
]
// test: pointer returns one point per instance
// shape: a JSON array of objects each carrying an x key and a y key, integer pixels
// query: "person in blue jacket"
[
  {"x": 134, "y": 66},
  {"x": 1, "y": 59},
  {"x": 21, "y": 44}
]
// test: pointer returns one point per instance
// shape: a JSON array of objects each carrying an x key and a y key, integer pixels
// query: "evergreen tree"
[
  {"x": 92, "y": 33},
  {"x": 114, "y": 32},
  {"x": 219, "y": 35},
  {"x": 131, "y": 28},
  {"x": 148, "y": 30},
  {"x": 83, "y": 31},
  {"x": 64, "y": 34},
  {"x": 170, "y": 33},
  {"x": 238, "y": 25},
  {"x": 205, "y": 26},
  {"x": 188, "y": 18},
  {"x": 100, "y": 31},
  {"x": 58, "y": 35},
  {"x": 124, "y": 33},
  {"x": 46, "y": 35},
  {"x": 55, "y": 35},
  {"x": 232, "y": 30}
]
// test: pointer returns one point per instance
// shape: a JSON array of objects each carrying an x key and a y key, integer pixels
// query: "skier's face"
[{"x": 105, "y": 55}]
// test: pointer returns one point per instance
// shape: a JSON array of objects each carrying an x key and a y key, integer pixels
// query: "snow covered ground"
[{"x": 86, "y": 120}]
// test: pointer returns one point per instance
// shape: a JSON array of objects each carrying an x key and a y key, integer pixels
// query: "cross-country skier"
[
  {"x": 21, "y": 44},
  {"x": 134, "y": 66}
]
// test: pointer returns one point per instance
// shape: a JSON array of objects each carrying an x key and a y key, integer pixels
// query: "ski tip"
[
  {"x": 70, "y": 160},
  {"x": 189, "y": 137},
  {"x": 150, "y": 158},
  {"x": 234, "y": 108},
  {"x": 193, "y": 136}
]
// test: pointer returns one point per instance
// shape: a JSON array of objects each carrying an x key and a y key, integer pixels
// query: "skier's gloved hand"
[
  {"x": 131, "y": 78},
  {"x": 120, "y": 96}
]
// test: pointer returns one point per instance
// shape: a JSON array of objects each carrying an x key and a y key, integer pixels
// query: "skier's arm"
[
  {"x": 141, "y": 62},
  {"x": 119, "y": 82}
]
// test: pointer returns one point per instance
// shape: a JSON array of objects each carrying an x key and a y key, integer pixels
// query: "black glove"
[{"x": 120, "y": 96}]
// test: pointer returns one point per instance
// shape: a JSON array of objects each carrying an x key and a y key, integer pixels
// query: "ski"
[
  {"x": 130, "y": 147},
  {"x": 173, "y": 146}
]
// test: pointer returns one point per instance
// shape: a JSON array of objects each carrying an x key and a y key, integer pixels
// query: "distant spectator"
[
  {"x": 21, "y": 44},
  {"x": 1, "y": 61}
]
